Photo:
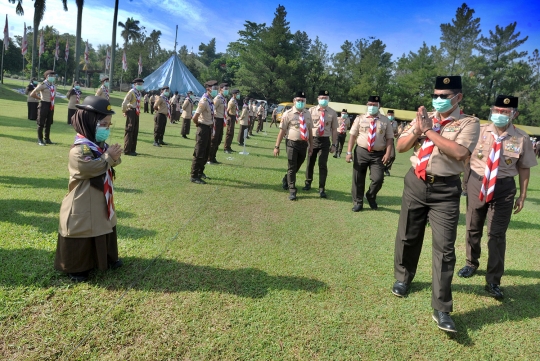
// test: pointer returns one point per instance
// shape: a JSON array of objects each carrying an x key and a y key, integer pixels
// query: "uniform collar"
[
  {"x": 510, "y": 131},
  {"x": 456, "y": 114}
]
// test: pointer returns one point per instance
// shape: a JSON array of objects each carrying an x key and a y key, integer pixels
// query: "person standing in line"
[
  {"x": 45, "y": 93},
  {"x": 502, "y": 152},
  {"x": 146, "y": 100},
  {"x": 442, "y": 140},
  {"x": 103, "y": 90},
  {"x": 252, "y": 114},
  {"x": 325, "y": 124},
  {"x": 74, "y": 98},
  {"x": 394, "y": 124},
  {"x": 131, "y": 107},
  {"x": 152, "y": 101},
  {"x": 274, "y": 117},
  {"x": 163, "y": 111},
  {"x": 244, "y": 122},
  {"x": 32, "y": 102},
  {"x": 261, "y": 114},
  {"x": 234, "y": 113},
  {"x": 187, "y": 110},
  {"x": 204, "y": 120},
  {"x": 175, "y": 108},
  {"x": 220, "y": 116},
  {"x": 372, "y": 137},
  {"x": 343, "y": 124}
]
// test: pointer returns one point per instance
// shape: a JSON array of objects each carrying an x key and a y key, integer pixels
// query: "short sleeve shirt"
[
  {"x": 330, "y": 120},
  {"x": 219, "y": 106},
  {"x": 383, "y": 128},
  {"x": 45, "y": 92},
  {"x": 205, "y": 111},
  {"x": 290, "y": 122}
]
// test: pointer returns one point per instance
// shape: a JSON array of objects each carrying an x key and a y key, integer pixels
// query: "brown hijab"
[{"x": 85, "y": 123}]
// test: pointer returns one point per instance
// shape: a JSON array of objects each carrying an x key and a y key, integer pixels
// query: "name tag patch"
[{"x": 511, "y": 147}]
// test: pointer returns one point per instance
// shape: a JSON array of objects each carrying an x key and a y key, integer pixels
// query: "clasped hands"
[{"x": 423, "y": 121}]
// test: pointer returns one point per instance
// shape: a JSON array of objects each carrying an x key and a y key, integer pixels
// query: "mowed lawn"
[{"x": 233, "y": 270}]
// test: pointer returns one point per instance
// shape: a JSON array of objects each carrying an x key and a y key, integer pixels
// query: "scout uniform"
[
  {"x": 131, "y": 107},
  {"x": 220, "y": 116},
  {"x": 74, "y": 98},
  {"x": 32, "y": 102},
  {"x": 394, "y": 124},
  {"x": 516, "y": 153},
  {"x": 103, "y": 91},
  {"x": 205, "y": 123},
  {"x": 432, "y": 188},
  {"x": 146, "y": 102},
  {"x": 163, "y": 111},
  {"x": 175, "y": 105},
  {"x": 233, "y": 112},
  {"x": 261, "y": 114},
  {"x": 187, "y": 110},
  {"x": 343, "y": 125},
  {"x": 325, "y": 124},
  {"x": 252, "y": 113},
  {"x": 244, "y": 123},
  {"x": 47, "y": 93},
  {"x": 152, "y": 101},
  {"x": 274, "y": 117}
]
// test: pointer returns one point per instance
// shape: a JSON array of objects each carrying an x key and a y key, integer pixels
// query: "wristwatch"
[
  {"x": 349, "y": 153},
  {"x": 276, "y": 147},
  {"x": 333, "y": 145}
]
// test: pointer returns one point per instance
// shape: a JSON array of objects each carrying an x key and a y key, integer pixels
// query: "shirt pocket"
[
  {"x": 450, "y": 135},
  {"x": 510, "y": 157}
]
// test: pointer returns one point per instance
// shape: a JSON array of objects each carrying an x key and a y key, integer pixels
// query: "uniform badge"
[
  {"x": 446, "y": 81},
  {"x": 506, "y": 101},
  {"x": 436, "y": 127},
  {"x": 296, "y": 126},
  {"x": 381, "y": 131},
  {"x": 480, "y": 155},
  {"x": 508, "y": 161}
]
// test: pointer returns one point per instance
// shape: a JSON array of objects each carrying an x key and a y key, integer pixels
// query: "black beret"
[
  {"x": 448, "y": 82},
  {"x": 96, "y": 104},
  {"x": 210, "y": 83},
  {"x": 344, "y": 111},
  {"x": 223, "y": 85},
  {"x": 374, "y": 98},
  {"x": 324, "y": 93},
  {"x": 189, "y": 92},
  {"x": 165, "y": 87},
  {"x": 49, "y": 72},
  {"x": 137, "y": 80},
  {"x": 390, "y": 111},
  {"x": 106, "y": 78},
  {"x": 176, "y": 92},
  {"x": 235, "y": 91},
  {"x": 506, "y": 101},
  {"x": 300, "y": 94}
]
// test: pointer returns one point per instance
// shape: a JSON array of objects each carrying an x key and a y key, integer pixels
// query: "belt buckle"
[{"x": 430, "y": 178}]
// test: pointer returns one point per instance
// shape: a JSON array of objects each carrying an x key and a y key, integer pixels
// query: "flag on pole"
[
  {"x": 41, "y": 44},
  {"x": 108, "y": 59},
  {"x": 24, "y": 47},
  {"x": 66, "y": 56},
  {"x": 57, "y": 50},
  {"x": 140, "y": 64},
  {"x": 124, "y": 61},
  {"x": 6, "y": 35},
  {"x": 86, "y": 54}
]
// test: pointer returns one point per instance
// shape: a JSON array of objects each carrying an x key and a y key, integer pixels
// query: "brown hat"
[
  {"x": 506, "y": 101},
  {"x": 165, "y": 87},
  {"x": 235, "y": 91},
  {"x": 223, "y": 85},
  {"x": 448, "y": 82},
  {"x": 210, "y": 83},
  {"x": 105, "y": 78},
  {"x": 48, "y": 72}
]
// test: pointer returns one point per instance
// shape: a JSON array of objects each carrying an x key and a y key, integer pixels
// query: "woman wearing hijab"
[
  {"x": 87, "y": 230},
  {"x": 31, "y": 101},
  {"x": 74, "y": 97}
]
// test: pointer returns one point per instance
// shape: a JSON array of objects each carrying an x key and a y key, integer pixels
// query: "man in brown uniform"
[
  {"x": 174, "y": 106},
  {"x": 45, "y": 93},
  {"x": 296, "y": 125},
  {"x": 220, "y": 116},
  {"x": 394, "y": 124},
  {"x": 131, "y": 107},
  {"x": 252, "y": 114},
  {"x": 261, "y": 115},
  {"x": 234, "y": 113},
  {"x": 372, "y": 136},
  {"x": 204, "y": 120},
  {"x": 244, "y": 122},
  {"x": 187, "y": 110},
  {"x": 103, "y": 90},
  {"x": 343, "y": 124},
  {"x": 492, "y": 188},
  {"x": 325, "y": 124},
  {"x": 163, "y": 111},
  {"x": 442, "y": 141},
  {"x": 274, "y": 117},
  {"x": 152, "y": 101}
]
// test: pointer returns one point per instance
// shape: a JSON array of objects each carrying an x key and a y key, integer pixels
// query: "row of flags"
[{"x": 24, "y": 49}]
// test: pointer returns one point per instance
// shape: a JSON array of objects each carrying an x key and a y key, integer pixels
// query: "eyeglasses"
[{"x": 442, "y": 96}]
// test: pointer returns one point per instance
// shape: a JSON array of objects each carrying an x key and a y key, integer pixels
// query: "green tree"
[
  {"x": 207, "y": 52},
  {"x": 152, "y": 43},
  {"x": 341, "y": 72},
  {"x": 131, "y": 30}
]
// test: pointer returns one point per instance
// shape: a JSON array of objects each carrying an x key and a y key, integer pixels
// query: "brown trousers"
[
  {"x": 160, "y": 122},
  {"x": 44, "y": 120},
  {"x": 241, "y": 134},
  {"x": 251, "y": 123},
  {"x": 131, "y": 131},
  {"x": 321, "y": 148},
  {"x": 216, "y": 139},
  {"x": 186, "y": 124},
  {"x": 202, "y": 148},
  {"x": 498, "y": 213},
  {"x": 296, "y": 155},
  {"x": 231, "y": 124}
]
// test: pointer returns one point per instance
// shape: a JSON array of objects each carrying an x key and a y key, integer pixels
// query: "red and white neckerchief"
[
  {"x": 372, "y": 135},
  {"x": 303, "y": 127},
  {"x": 168, "y": 106},
  {"x": 321, "y": 123},
  {"x": 108, "y": 189},
  {"x": 78, "y": 94},
  {"x": 138, "y": 97},
  {"x": 427, "y": 149},
  {"x": 492, "y": 169},
  {"x": 224, "y": 109},
  {"x": 53, "y": 92},
  {"x": 211, "y": 105},
  {"x": 341, "y": 128},
  {"x": 237, "y": 111},
  {"x": 106, "y": 91}
]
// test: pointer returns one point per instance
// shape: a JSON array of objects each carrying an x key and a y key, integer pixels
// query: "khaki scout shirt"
[
  {"x": 187, "y": 109},
  {"x": 343, "y": 121},
  {"x": 464, "y": 130},
  {"x": 146, "y": 98},
  {"x": 219, "y": 106},
  {"x": 231, "y": 106},
  {"x": 360, "y": 129},
  {"x": 252, "y": 110},
  {"x": 516, "y": 151},
  {"x": 394, "y": 125},
  {"x": 130, "y": 101},
  {"x": 260, "y": 110},
  {"x": 44, "y": 92},
  {"x": 244, "y": 116},
  {"x": 205, "y": 111},
  {"x": 101, "y": 92},
  {"x": 161, "y": 104},
  {"x": 330, "y": 120},
  {"x": 290, "y": 122},
  {"x": 73, "y": 100}
]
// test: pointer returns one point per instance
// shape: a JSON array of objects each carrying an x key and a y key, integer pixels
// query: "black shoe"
[
  {"x": 185, "y": 137},
  {"x": 494, "y": 291},
  {"x": 357, "y": 208},
  {"x": 284, "y": 183},
  {"x": 231, "y": 150},
  {"x": 48, "y": 141},
  {"x": 78, "y": 276},
  {"x": 400, "y": 289},
  {"x": 292, "y": 196},
  {"x": 227, "y": 151},
  {"x": 156, "y": 144},
  {"x": 197, "y": 180},
  {"x": 444, "y": 321},
  {"x": 322, "y": 194},
  {"x": 241, "y": 144},
  {"x": 162, "y": 142},
  {"x": 133, "y": 154},
  {"x": 467, "y": 271},
  {"x": 248, "y": 137},
  {"x": 387, "y": 173},
  {"x": 307, "y": 187},
  {"x": 203, "y": 176},
  {"x": 213, "y": 161},
  {"x": 335, "y": 155},
  {"x": 41, "y": 142},
  {"x": 116, "y": 265},
  {"x": 372, "y": 204},
  {"x": 464, "y": 194}
]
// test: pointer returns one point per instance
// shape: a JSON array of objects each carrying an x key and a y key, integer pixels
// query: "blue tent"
[{"x": 175, "y": 74}]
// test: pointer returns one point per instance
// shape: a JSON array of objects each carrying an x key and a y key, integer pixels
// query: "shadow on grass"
[
  {"x": 23, "y": 139},
  {"x": 25, "y": 182}
]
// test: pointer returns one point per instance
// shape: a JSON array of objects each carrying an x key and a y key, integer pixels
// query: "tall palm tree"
[
  {"x": 80, "y": 5},
  {"x": 131, "y": 30},
  {"x": 153, "y": 43}
]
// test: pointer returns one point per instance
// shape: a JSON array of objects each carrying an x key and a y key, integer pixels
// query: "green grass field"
[{"x": 233, "y": 270}]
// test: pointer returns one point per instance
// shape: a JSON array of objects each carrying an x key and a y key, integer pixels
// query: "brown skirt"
[{"x": 84, "y": 254}]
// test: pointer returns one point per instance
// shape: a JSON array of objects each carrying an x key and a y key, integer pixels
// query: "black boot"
[{"x": 307, "y": 187}]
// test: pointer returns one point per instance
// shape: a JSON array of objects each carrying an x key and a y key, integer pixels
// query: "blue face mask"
[
  {"x": 238, "y": 96},
  {"x": 500, "y": 120},
  {"x": 323, "y": 102},
  {"x": 102, "y": 134},
  {"x": 300, "y": 105},
  {"x": 106, "y": 84},
  {"x": 51, "y": 79},
  {"x": 390, "y": 117},
  {"x": 139, "y": 87},
  {"x": 344, "y": 116},
  {"x": 77, "y": 87},
  {"x": 372, "y": 109},
  {"x": 442, "y": 105},
  {"x": 213, "y": 93},
  {"x": 166, "y": 94},
  {"x": 226, "y": 92}
]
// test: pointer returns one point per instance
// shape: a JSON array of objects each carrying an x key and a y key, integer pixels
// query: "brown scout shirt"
[
  {"x": 360, "y": 129},
  {"x": 219, "y": 107},
  {"x": 260, "y": 110},
  {"x": 231, "y": 106},
  {"x": 45, "y": 93},
  {"x": 330, "y": 120},
  {"x": 187, "y": 109},
  {"x": 101, "y": 92},
  {"x": 290, "y": 122},
  {"x": 205, "y": 112},
  {"x": 73, "y": 100},
  {"x": 342, "y": 121},
  {"x": 162, "y": 106},
  {"x": 464, "y": 130},
  {"x": 130, "y": 101},
  {"x": 244, "y": 116},
  {"x": 516, "y": 151}
]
